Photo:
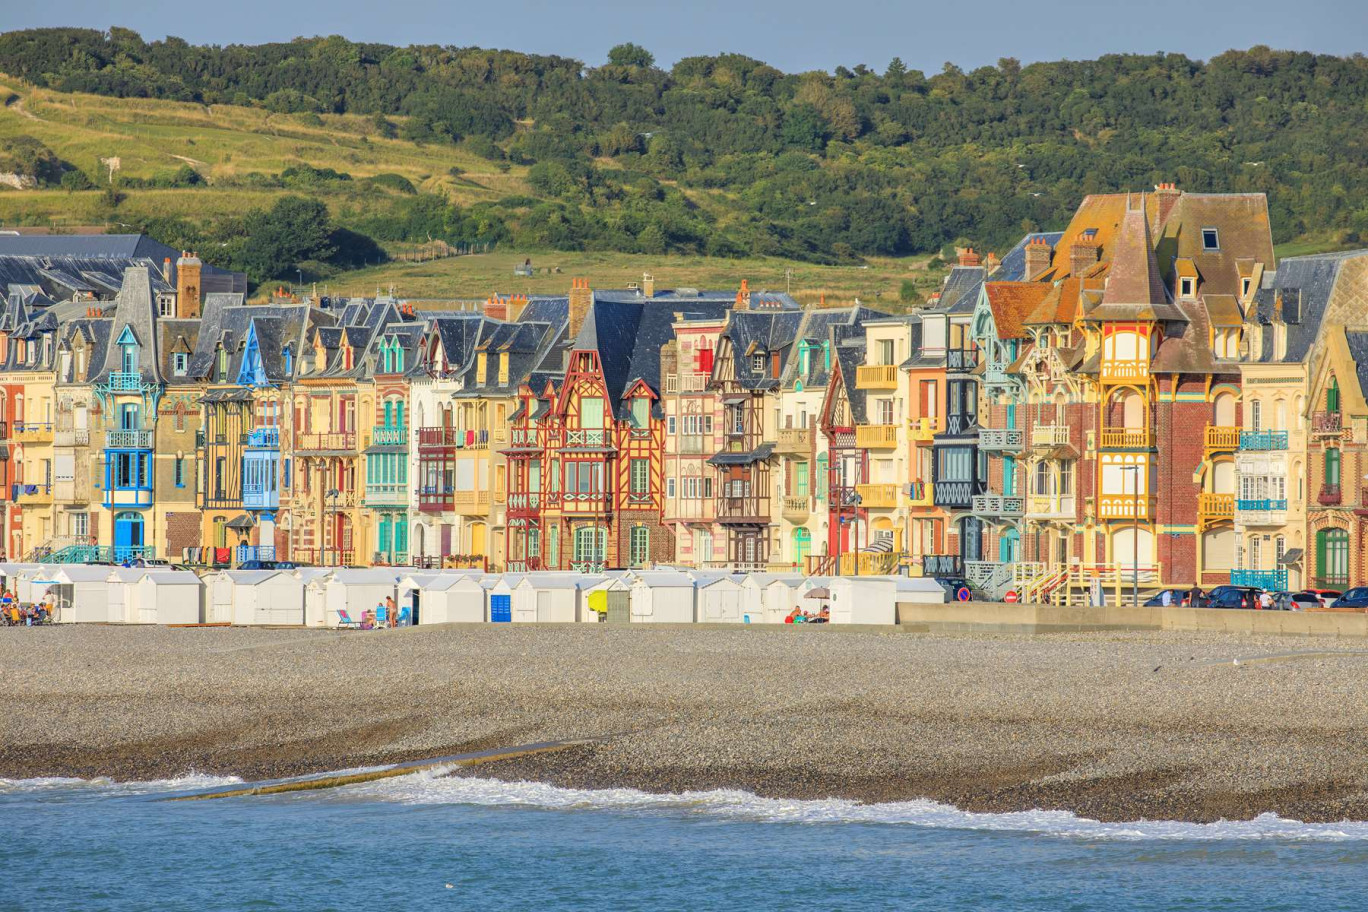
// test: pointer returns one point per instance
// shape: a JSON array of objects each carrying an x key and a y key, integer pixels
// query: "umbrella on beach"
[{"x": 820, "y": 592}]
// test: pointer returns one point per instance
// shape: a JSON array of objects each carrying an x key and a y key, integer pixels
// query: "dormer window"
[
  {"x": 1186, "y": 287},
  {"x": 222, "y": 363},
  {"x": 128, "y": 349},
  {"x": 641, "y": 412},
  {"x": 1244, "y": 286},
  {"x": 288, "y": 357},
  {"x": 503, "y": 368},
  {"x": 1211, "y": 240},
  {"x": 481, "y": 367},
  {"x": 758, "y": 363},
  {"x": 180, "y": 363}
]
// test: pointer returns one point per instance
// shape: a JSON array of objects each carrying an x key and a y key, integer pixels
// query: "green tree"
[
  {"x": 630, "y": 55},
  {"x": 292, "y": 231}
]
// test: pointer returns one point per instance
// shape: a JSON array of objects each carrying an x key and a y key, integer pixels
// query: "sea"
[{"x": 431, "y": 841}]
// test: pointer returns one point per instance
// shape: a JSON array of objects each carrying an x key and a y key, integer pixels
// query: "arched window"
[{"x": 1332, "y": 557}]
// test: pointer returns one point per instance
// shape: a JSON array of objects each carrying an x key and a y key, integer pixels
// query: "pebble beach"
[{"x": 1112, "y": 726}]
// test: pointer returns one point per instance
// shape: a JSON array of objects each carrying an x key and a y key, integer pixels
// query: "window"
[
  {"x": 591, "y": 412},
  {"x": 80, "y": 524},
  {"x": 641, "y": 412},
  {"x": 1244, "y": 287},
  {"x": 481, "y": 367},
  {"x": 670, "y": 427},
  {"x": 1066, "y": 478},
  {"x": 1332, "y": 557},
  {"x": 1210, "y": 239},
  {"x": 884, "y": 411},
  {"x": 180, "y": 471},
  {"x": 1332, "y": 466},
  {"x": 641, "y": 478},
  {"x": 1185, "y": 287},
  {"x": 885, "y": 351},
  {"x": 800, "y": 480},
  {"x": 289, "y": 361},
  {"x": 1255, "y": 415},
  {"x": 758, "y": 364},
  {"x": 640, "y": 545},
  {"x": 670, "y": 488},
  {"x": 1332, "y": 396},
  {"x": 705, "y": 360},
  {"x": 180, "y": 363}
]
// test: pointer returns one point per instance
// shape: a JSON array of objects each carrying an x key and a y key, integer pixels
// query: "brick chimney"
[
  {"x": 188, "y": 269},
  {"x": 967, "y": 257},
  {"x": 991, "y": 261},
  {"x": 648, "y": 285},
  {"x": 516, "y": 305},
  {"x": 743, "y": 297},
  {"x": 1038, "y": 252},
  {"x": 1084, "y": 253},
  {"x": 581, "y": 299},
  {"x": 166, "y": 270},
  {"x": 496, "y": 308},
  {"x": 1165, "y": 198}
]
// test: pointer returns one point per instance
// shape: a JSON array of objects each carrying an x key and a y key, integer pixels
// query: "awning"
[
  {"x": 237, "y": 394},
  {"x": 760, "y": 453},
  {"x": 242, "y": 522},
  {"x": 821, "y": 592},
  {"x": 879, "y": 546},
  {"x": 1292, "y": 557}
]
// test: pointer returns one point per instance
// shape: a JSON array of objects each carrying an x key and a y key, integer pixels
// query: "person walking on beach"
[{"x": 390, "y": 612}]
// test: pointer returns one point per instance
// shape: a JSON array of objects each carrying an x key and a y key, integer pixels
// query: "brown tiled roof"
[
  {"x": 1060, "y": 304},
  {"x": 1242, "y": 226},
  {"x": 1134, "y": 289},
  {"x": 1012, "y": 302},
  {"x": 1223, "y": 310},
  {"x": 1100, "y": 213}
]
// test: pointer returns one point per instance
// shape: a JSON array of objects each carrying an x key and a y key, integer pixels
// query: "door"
[
  {"x": 543, "y": 607},
  {"x": 128, "y": 536},
  {"x": 619, "y": 611},
  {"x": 1009, "y": 547},
  {"x": 501, "y": 609},
  {"x": 971, "y": 539},
  {"x": 477, "y": 539}
]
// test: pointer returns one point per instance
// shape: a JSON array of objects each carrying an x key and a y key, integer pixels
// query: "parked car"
[
  {"x": 1234, "y": 597},
  {"x": 150, "y": 562},
  {"x": 952, "y": 586},
  {"x": 1356, "y": 597},
  {"x": 1298, "y": 601},
  {"x": 1193, "y": 597},
  {"x": 1326, "y": 596}
]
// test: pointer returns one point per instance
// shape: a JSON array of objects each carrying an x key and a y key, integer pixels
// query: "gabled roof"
[
  {"x": 1297, "y": 296},
  {"x": 1011, "y": 303},
  {"x": 1134, "y": 290}
]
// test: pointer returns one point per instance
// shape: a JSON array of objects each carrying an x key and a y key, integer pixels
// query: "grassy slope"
[{"x": 478, "y": 276}]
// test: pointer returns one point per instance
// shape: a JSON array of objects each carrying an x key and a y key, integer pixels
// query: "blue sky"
[{"x": 793, "y": 35}]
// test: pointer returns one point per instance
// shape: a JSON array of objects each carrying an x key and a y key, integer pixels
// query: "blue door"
[
  {"x": 501, "y": 609},
  {"x": 128, "y": 536}
]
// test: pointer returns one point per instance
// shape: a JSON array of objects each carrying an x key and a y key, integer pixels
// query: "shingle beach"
[{"x": 1110, "y": 726}]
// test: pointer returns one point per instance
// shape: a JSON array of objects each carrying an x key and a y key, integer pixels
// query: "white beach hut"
[
  {"x": 599, "y": 594},
  {"x": 83, "y": 594},
  {"x": 252, "y": 597},
  {"x": 662, "y": 597},
  {"x": 357, "y": 591},
  {"x": 547, "y": 598},
  {"x": 124, "y": 607},
  {"x": 862, "y": 600},
  {"x": 500, "y": 596},
  {"x": 719, "y": 601},
  {"x": 168, "y": 597},
  {"x": 445, "y": 598},
  {"x": 917, "y": 590},
  {"x": 768, "y": 597}
]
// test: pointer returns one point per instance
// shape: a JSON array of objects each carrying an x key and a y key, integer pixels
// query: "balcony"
[
  {"x": 71, "y": 437},
  {"x": 389, "y": 436},
  {"x": 794, "y": 440},
  {"x": 244, "y": 553},
  {"x": 386, "y": 494},
  {"x": 1261, "y": 512},
  {"x": 517, "y": 437},
  {"x": 445, "y": 437},
  {"x": 127, "y": 498},
  {"x": 343, "y": 500},
  {"x": 924, "y": 430},
  {"x": 470, "y": 503},
  {"x": 27, "y": 495},
  {"x": 1127, "y": 439},
  {"x": 743, "y": 508},
  {"x": 1006, "y": 439},
  {"x": 995, "y": 374},
  {"x": 1215, "y": 507},
  {"x": 961, "y": 360},
  {"x": 260, "y": 496},
  {"x": 999, "y": 505},
  {"x": 1050, "y": 435},
  {"x": 128, "y": 439},
  {"x": 878, "y": 496},
  {"x": 797, "y": 509},
  {"x": 581, "y": 502},
  {"x": 957, "y": 495},
  {"x": 263, "y": 438},
  {"x": 1221, "y": 440},
  {"x": 876, "y": 436},
  {"x": 124, "y": 382},
  {"x": 921, "y": 494},
  {"x": 436, "y": 498},
  {"x": 868, "y": 563},
  {"x": 687, "y": 382},
  {"x": 1126, "y": 506},
  {"x": 1051, "y": 506},
  {"x": 524, "y": 503},
  {"x": 876, "y": 377},
  {"x": 1329, "y": 495},
  {"x": 1328, "y": 423},
  {"x": 1263, "y": 441},
  {"x": 1114, "y": 371},
  {"x": 335, "y": 442},
  {"x": 589, "y": 437},
  {"x": 1272, "y": 580},
  {"x": 323, "y": 557},
  {"x": 942, "y": 565},
  {"x": 32, "y": 432}
]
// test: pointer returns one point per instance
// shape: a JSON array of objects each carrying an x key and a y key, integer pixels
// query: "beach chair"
[{"x": 345, "y": 620}]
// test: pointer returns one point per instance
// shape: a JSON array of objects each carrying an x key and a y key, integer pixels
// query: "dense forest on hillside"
[{"x": 726, "y": 155}]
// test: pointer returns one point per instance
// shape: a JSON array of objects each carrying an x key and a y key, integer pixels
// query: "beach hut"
[
  {"x": 167, "y": 597},
  {"x": 862, "y": 600},
  {"x": 547, "y": 598},
  {"x": 82, "y": 594},
  {"x": 445, "y": 598},
  {"x": 597, "y": 592},
  {"x": 768, "y": 597},
  {"x": 123, "y": 601},
  {"x": 662, "y": 597},
  {"x": 500, "y": 597},
  {"x": 719, "y": 601},
  {"x": 253, "y": 597},
  {"x": 917, "y": 590},
  {"x": 355, "y": 592}
]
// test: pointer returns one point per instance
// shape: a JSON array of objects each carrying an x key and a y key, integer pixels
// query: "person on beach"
[
  {"x": 381, "y": 621},
  {"x": 390, "y": 612}
]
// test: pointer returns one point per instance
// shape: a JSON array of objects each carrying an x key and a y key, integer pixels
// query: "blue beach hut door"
[{"x": 501, "y": 609}]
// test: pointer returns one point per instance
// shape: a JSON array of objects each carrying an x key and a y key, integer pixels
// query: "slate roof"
[
  {"x": 761, "y": 332},
  {"x": 114, "y": 247},
  {"x": 1013, "y": 265},
  {"x": 1298, "y": 294},
  {"x": 135, "y": 311},
  {"x": 959, "y": 293},
  {"x": 1357, "y": 342},
  {"x": 228, "y": 322},
  {"x": 847, "y": 357}
]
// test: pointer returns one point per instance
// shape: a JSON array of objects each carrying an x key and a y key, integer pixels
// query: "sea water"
[{"x": 428, "y": 841}]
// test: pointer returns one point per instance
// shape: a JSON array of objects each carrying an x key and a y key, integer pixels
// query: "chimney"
[
  {"x": 581, "y": 299},
  {"x": 991, "y": 262},
  {"x": 743, "y": 297},
  {"x": 516, "y": 305},
  {"x": 496, "y": 308},
  {"x": 967, "y": 257},
  {"x": 1165, "y": 198},
  {"x": 166, "y": 270},
  {"x": 648, "y": 285},
  {"x": 1084, "y": 253},
  {"x": 1037, "y": 257},
  {"x": 188, "y": 269}
]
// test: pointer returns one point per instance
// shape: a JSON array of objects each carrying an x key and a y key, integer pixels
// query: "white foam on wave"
[
  {"x": 187, "y": 782},
  {"x": 431, "y": 787}
]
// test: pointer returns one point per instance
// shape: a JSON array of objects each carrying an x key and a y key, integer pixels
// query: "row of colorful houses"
[{"x": 1146, "y": 395}]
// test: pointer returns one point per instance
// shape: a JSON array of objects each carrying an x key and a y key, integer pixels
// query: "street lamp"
[
  {"x": 856, "y": 501},
  {"x": 332, "y": 495},
  {"x": 1135, "y": 534}
]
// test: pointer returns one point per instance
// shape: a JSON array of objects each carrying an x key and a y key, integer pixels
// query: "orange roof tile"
[{"x": 1012, "y": 302}]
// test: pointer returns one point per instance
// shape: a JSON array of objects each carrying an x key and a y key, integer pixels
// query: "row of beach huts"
[{"x": 330, "y": 597}]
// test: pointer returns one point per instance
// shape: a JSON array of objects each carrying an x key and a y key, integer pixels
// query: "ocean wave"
[
  {"x": 430, "y": 787},
  {"x": 187, "y": 782}
]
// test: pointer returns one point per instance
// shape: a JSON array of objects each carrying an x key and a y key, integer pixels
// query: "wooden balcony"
[
  {"x": 869, "y": 563},
  {"x": 876, "y": 377},
  {"x": 792, "y": 440},
  {"x": 876, "y": 436},
  {"x": 1213, "y": 508},
  {"x": 924, "y": 430},
  {"x": 878, "y": 496},
  {"x": 744, "y": 508},
  {"x": 386, "y": 495},
  {"x": 1127, "y": 439},
  {"x": 1051, "y": 506},
  {"x": 921, "y": 494},
  {"x": 1125, "y": 506},
  {"x": 337, "y": 442},
  {"x": 1050, "y": 435},
  {"x": 1113, "y": 371},
  {"x": 470, "y": 503},
  {"x": 687, "y": 382},
  {"x": 961, "y": 360},
  {"x": 435, "y": 498},
  {"x": 1327, "y": 423},
  {"x": 999, "y": 505},
  {"x": 26, "y": 495},
  {"x": 1221, "y": 440},
  {"x": 797, "y": 509},
  {"x": 32, "y": 432}
]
